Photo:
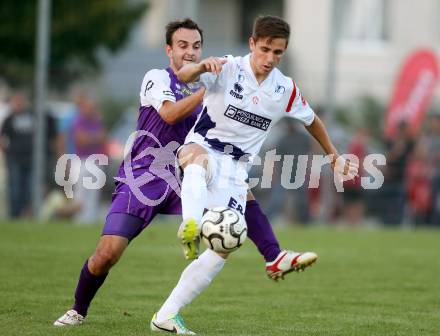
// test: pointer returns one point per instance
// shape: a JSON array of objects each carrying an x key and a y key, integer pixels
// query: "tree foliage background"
[{"x": 78, "y": 29}]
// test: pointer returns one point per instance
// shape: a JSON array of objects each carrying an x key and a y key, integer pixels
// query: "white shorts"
[{"x": 226, "y": 181}]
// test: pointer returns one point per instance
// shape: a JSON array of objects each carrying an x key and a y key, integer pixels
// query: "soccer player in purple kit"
[{"x": 168, "y": 110}]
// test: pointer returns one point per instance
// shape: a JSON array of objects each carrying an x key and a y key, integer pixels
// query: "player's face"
[
  {"x": 266, "y": 55},
  {"x": 186, "y": 48}
]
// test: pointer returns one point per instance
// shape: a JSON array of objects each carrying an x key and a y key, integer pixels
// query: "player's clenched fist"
[
  {"x": 213, "y": 64},
  {"x": 345, "y": 169}
]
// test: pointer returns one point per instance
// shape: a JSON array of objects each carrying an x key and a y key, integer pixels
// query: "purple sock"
[
  {"x": 260, "y": 231},
  {"x": 88, "y": 285}
]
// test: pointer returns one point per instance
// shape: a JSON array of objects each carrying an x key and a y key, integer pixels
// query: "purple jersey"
[
  {"x": 157, "y": 87},
  {"x": 146, "y": 183}
]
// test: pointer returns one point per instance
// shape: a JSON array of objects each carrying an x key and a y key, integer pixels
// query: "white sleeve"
[
  {"x": 298, "y": 108},
  {"x": 155, "y": 89},
  {"x": 210, "y": 80}
]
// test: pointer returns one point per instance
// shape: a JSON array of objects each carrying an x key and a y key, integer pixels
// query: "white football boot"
[
  {"x": 70, "y": 318},
  {"x": 289, "y": 261},
  {"x": 174, "y": 325},
  {"x": 189, "y": 237}
]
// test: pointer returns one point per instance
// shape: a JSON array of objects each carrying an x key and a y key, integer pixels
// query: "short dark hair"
[
  {"x": 270, "y": 26},
  {"x": 173, "y": 26}
]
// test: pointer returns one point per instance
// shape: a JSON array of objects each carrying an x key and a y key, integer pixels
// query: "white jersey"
[{"x": 239, "y": 112}]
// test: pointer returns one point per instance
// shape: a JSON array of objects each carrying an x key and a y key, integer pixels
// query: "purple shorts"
[{"x": 128, "y": 215}]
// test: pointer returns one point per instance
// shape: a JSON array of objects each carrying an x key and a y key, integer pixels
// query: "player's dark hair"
[
  {"x": 271, "y": 27},
  {"x": 173, "y": 26}
]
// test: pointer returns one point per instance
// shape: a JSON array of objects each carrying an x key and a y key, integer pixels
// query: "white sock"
[
  {"x": 194, "y": 279},
  {"x": 194, "y": 192}
]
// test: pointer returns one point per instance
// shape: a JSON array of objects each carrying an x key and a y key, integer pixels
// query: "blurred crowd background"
[{"x": 349, "y": 57}]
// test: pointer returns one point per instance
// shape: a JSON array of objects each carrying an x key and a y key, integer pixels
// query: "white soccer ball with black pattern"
[{"x": 223, "y": 229}]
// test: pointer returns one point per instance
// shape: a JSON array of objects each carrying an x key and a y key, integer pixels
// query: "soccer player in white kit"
[{"x": 245, "y": 97}]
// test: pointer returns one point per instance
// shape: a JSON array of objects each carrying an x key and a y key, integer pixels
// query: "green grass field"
[{"x": 366, "y": 282}]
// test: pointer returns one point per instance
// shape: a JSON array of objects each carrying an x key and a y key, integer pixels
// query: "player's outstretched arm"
[
  {"x": 172, "y": 113},
  {"x": 191, "y": 72},
  {"x": 319, "y": 132},
  {"x": 339, "y": 164}
]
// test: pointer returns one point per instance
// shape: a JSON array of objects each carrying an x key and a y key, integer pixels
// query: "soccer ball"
[{"x": 223, "y": 229}]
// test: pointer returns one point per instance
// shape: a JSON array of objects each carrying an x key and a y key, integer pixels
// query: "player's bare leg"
[
  {"x": 93, "y": 274},
  {"x": 108, "y": 252},
  {"x": 193, "y": 160}
]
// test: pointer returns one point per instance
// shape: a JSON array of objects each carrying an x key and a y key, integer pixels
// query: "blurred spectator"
[
  {"x": 16, "y": 140},
  {"x": 17, "y": 137},
  {"x": 392, "y": 191},
  {"x": 418, "y": 184},
  {"x": 354, "y": 203},
  {"x": 434, "y": 155},
  {"x": 89, "y": 138},
  {"x": 294, "y": 142},
  {"x": 66, "y": 142}
]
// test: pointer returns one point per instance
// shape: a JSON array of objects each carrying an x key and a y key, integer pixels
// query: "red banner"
[{"x": 413, "y": 92}]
